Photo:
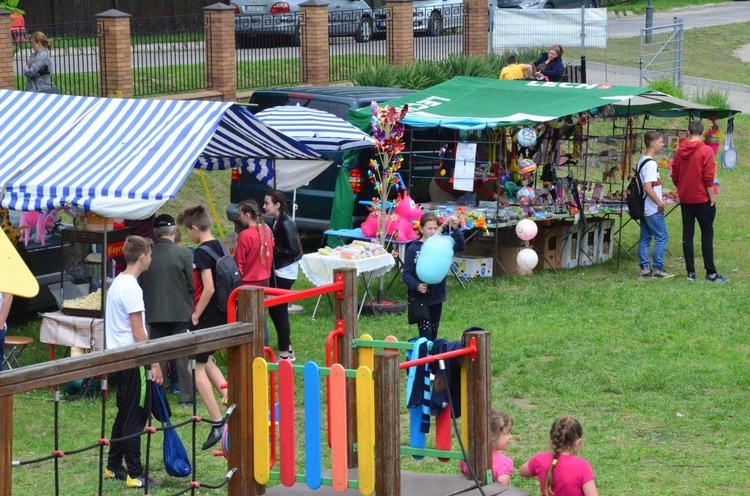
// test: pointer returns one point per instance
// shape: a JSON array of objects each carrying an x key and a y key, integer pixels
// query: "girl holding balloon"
[{"x": 426, "y": 266}]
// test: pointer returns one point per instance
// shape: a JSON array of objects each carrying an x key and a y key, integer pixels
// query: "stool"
[{"x": 14, "y": 346}]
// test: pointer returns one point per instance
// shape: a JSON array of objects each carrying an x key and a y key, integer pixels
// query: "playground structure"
[{"x": 356, "y": 440}]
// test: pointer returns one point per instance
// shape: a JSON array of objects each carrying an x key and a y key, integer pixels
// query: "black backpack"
[
  {"x": 636, "y": 193},
  {"x": 227, "y": 276}
]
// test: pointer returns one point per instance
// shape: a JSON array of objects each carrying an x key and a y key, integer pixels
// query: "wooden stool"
[{"x": 14, "y": 346}]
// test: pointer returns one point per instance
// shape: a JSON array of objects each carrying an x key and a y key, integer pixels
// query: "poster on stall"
[{"x": 463, "y": 172}]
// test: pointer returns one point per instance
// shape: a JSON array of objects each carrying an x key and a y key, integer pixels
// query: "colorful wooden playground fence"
[{"x": 336, "y": 393}]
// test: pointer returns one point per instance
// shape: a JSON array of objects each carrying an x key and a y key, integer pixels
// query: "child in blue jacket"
[{"x": 434, "y": 295}]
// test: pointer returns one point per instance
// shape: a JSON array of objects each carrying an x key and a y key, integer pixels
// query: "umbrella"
[{"x": 321, "y": 131}]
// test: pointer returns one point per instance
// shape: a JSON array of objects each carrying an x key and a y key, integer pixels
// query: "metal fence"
[
  {"x": 621, "y": 61},
  {"x": 168, "y": 55},
  {"x": 661, "y": 53},
  {"x": 439, "y": 31},
  {"x": 354, "y": 43},
  {"x": 267, "y": 50},
  {"x": 74, "y": 54}
]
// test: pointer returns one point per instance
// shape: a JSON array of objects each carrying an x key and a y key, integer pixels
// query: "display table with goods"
[
  {"x": 78, "y": 332},
  {"x": 370, "y": 260}
]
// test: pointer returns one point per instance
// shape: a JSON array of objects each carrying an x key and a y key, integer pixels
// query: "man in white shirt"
[
  {"x": 125, "y": 324},
  {"x": 653, "y": 224}
]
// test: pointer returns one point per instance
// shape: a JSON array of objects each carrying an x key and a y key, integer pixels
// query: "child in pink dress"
[
  {"x": 502, "y": 466},
  {"x": 561, "y": 472}
]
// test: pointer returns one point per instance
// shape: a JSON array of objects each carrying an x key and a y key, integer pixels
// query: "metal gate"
[{"x": 661, "y": 53}]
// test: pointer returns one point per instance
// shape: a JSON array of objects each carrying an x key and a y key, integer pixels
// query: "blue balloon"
[{"x": 435, "y": 259}]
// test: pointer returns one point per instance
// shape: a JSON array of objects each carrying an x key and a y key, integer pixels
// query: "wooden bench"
[{"x": 14, "y": 346}]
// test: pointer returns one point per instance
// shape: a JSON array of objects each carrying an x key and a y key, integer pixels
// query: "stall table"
[
  {"x": 68, "y": 330},
  {"x": 319, "y": 270}
]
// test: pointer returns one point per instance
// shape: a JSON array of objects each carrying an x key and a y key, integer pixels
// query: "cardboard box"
[
  {"x": 470, "y": 267},
  {"x": 569, "y": 238},
  {"x": 589, "y": 244},
  {"x": 606, "y": 239}
]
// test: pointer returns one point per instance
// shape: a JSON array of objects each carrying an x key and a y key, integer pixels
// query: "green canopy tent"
[{"x": 472, "y": 103}]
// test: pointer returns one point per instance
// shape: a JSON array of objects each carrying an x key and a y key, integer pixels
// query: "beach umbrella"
[{"x": 321, "y": 131}]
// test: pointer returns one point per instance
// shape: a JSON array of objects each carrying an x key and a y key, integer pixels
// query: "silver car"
[
  {"x": 430, "y": 16},
  {"x": 271, "y": 17}
]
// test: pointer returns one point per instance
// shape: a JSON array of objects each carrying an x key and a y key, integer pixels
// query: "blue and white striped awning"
[{"x": 125, "y": 158}]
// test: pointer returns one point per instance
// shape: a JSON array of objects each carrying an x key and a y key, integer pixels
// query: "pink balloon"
[{"x": 526, "y": 229}]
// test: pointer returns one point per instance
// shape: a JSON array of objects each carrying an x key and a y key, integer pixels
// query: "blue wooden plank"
[{"x": 313, "y": 456}]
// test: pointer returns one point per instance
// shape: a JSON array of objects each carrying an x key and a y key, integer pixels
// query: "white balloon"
[
  {"x": 527, "y": 260},
  {"x": 526, "y": 229}
]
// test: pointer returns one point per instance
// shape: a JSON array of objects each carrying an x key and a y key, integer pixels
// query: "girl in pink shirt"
[
  {"x": 561, "y": 472},
  {"x": 502, "y": 466}
]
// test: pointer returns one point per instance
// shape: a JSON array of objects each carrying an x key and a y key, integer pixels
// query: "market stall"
[
  {"x": 475, "y": 145},
  {"x": 125, "y": 158}
]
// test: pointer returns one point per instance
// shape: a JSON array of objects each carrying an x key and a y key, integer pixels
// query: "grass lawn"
[{"x": 655, "y": 370}]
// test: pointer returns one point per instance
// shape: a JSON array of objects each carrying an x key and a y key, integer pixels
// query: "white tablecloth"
[
  {"x": 319, "y": 268},
  {"x": 68, "y": 330}
]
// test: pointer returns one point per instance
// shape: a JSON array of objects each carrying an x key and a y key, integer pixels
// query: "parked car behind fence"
[{"x": 254, "y": 18}]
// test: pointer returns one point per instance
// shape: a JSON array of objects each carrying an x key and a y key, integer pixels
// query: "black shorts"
[{"x": 210, "y": 318}]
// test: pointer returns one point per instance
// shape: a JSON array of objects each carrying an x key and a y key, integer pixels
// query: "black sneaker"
[
  {"x": 660, "y": 274},
  {"x": 717, "y": 278},
  {"x": 119, "y": 474},
  {"x": 691, "y": 277},
  {"x": 214, "y": 436}
]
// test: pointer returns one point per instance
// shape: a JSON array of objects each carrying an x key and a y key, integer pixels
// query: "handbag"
[
  {"x": 418, "y": 309},
  {"x": 176, "y": 461}
]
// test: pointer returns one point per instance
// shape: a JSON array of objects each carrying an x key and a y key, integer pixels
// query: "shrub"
[
  {"x": 667, "y": 86},
  {"x": 713, "y": 98}
]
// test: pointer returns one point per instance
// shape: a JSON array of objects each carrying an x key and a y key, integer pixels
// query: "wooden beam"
[
  {"x": 42, "y": 375},
  {"x": 480, "y": 403},
  {"x": 345, "y": 310},
  {"x": 6, "y": 444},
  {"x": 241, "y": 456},
  {"x": 387, "y": 426}
]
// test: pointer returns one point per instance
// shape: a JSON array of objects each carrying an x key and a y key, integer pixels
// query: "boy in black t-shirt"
[{"x": 205, "y": 313}]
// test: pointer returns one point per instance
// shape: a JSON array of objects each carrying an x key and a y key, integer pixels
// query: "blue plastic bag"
[{"x": 176, "y": 461}]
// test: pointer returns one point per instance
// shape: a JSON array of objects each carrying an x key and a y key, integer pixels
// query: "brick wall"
[
  {"x": 6, "y": 52},
  {"x": 400, "y": 33},
  {"x": 314, "y": 43},
  {"x": 221, "y": 61},
  {"x": 116, "y": 77}
]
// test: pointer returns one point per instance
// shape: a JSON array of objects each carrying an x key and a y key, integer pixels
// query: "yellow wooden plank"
[
  {"x": 260, "y": 421},
  {"x": 367, "y": 353},
  {"x": 366, "y": 430},
  {"x": 464, "y": 402}
]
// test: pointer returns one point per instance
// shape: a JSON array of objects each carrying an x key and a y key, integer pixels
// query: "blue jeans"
[{"x": 653, "y": 227}]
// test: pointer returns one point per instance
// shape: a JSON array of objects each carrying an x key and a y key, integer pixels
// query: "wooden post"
[
  {"x": 239, "y": 376},
  {"x": 387, "y": 427},
  {"x": 345, "y": 311},
  {"x": 480, "y": 402},
  {"x": 6, "y": 445}
]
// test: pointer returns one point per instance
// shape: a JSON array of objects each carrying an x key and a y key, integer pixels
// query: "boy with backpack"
[
  {"x": 207, "y": 310},
  {"x": 653, "y": 224}
]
